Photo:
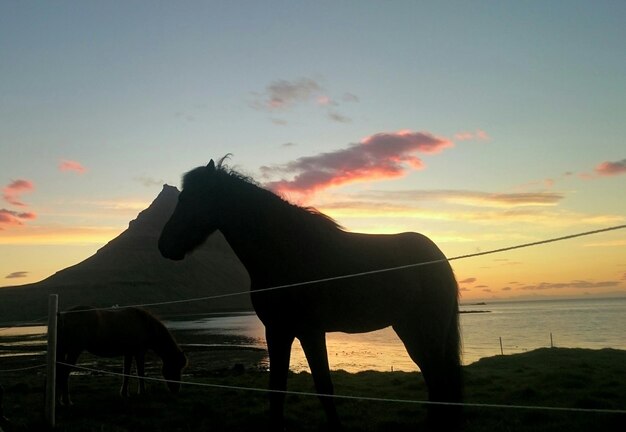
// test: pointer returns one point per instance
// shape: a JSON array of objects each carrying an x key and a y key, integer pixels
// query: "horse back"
[{"x": 106, "y": 333}]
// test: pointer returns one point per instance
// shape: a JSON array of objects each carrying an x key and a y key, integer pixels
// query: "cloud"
[
  {"x": 283, "y": 94},
  {"x": 468, "y": 280},
  {"x": 339, "y": 118},
  {"x": 279, "y": 122},
  {"x": 382, "y": 208},
  {"x": 17, "y": 274},
  {"x": 349, "y": 97},
  {"x": 11, "y": 193},
  {"x": 578, "y": 284},
  {"x": 477, "y": 135},
  {"x": 148, "y": 181},
  {"x": 470, "y": 198},
  {"x": 60, "y": 235},
  {"x": 326, "y": 101},
  {"x": 13, "y": 218},
  {"x": 72, "y": 166},
  {"x": 611, "y": 168},
  {"x": 380, "y": 156}
]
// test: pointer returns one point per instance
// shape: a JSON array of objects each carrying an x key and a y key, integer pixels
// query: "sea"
[{"x": 488, "y": 329}]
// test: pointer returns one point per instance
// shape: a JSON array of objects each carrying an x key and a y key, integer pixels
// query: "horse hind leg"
[
  {"x": 314, "y": 346},
  {"x": 128, "y": 363},
  {"x": 63, "y": 375},
  {"x": 436, "y": 354},
  {"x": 140, "y": 362}
]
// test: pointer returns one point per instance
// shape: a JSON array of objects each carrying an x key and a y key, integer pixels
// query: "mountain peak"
[{"x": 156, "y": 215}]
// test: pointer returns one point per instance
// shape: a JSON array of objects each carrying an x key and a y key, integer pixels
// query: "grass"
[{"x": 553, "y": 377}]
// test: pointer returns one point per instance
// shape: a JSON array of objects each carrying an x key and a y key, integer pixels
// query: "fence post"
[
  {"x": 51, "y": 371},
  {"x": 551, "y": 341},
  {"x": 501, "y": 350}
]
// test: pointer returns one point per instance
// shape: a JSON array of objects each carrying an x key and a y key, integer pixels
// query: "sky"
[{"x": 480, "y": 124}]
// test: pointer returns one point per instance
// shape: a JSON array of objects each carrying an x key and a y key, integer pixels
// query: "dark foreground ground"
[{"x": 550, "y": 377}]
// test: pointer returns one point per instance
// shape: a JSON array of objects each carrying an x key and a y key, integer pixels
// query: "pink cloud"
[
  {"x": 477, "y": 135},
  {"x": 13, "y": 218},
  {"x": 377, "y": 157},
  {"x": 325, "y": 100},
  {"x": 611, "y": 168},
  {"x": 12, "y": 192},
  {"x": 70, "y": 165}
]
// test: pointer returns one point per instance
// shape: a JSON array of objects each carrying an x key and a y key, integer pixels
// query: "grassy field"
[{"x": 550, "y": 377}]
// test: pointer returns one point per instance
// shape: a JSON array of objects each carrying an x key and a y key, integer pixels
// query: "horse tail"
[{"x": 453, "y": 350}]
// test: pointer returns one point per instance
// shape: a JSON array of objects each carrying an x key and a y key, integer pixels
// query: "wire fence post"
[
  {"x": 551, "y": 341},
  {"x": 501, "y": 350},
  {"x": 50, "y": 409}
]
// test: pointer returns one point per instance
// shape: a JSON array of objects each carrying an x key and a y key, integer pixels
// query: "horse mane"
[{"x": 263, "y": 197}]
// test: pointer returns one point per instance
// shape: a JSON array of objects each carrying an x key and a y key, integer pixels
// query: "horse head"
[
  {"x": 172, "y": 370},
  {"x": 195, "y": 217}
]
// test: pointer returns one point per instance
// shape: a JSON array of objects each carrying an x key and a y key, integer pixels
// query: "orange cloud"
[
  {"x": 70, "y": 165},
  {"x": 468, "y": 280},
  {"x": 577, "y": 284},
  {"x": 8, "y": 217},
  {"x": 469, "y": 198},
  {"x": 611, "y": 168},
  {"x": 380, "y": 156},
  {"x": 12, "y": 192}
]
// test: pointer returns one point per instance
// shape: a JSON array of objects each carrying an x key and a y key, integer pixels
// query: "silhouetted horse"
[
  {"x": 280, "y": 243},
  {"x": 128, "y": 332}
]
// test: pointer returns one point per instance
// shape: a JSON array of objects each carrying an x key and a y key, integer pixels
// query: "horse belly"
[{"x": 358, "y": 305}]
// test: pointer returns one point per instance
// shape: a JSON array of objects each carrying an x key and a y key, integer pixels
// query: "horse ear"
[{"x": 211, "y": 165}]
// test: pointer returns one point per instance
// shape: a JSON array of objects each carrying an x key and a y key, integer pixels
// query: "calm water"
[{"x": 522, "y": 325}]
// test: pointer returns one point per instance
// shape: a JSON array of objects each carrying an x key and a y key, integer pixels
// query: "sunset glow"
[{"x": 483, "y": 127}]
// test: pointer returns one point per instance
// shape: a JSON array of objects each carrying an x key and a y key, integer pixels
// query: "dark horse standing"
[
  {"x": 128, "y": 332},
  {"x": 280, "y": 243}
]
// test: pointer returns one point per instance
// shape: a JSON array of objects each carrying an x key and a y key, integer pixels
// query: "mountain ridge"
[{"x": 130, "y": 270}]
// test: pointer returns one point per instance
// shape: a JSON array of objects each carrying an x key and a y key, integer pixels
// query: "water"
[{"x": 521, "y": 325}]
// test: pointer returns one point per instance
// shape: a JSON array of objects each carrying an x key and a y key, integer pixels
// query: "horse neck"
[{"x": 261, "y": 233}]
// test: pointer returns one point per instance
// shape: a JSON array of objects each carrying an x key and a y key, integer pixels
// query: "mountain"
[{"x": 130, "y": 270}]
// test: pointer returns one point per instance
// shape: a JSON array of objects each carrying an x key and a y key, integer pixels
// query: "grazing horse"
[
  {"x": 128, "y": 332},
  {"x": 280, "y": 243}
]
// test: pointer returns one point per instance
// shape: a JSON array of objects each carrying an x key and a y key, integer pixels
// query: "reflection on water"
[
  {"x": 380, "y": 350},
  {"x": 26, "y": 341}
]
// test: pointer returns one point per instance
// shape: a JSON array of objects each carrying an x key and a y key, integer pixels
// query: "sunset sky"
[{"x": 480, "y": 124}]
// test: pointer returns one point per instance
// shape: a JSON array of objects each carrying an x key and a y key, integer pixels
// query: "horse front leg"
[
  {"x": 279, "y": 349},
  {"x": 128, "y": 362},
  {"x": 140, "y": 362},
  {"x": 314, "y": 346},
  {"x": 63, "y": 376}
]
